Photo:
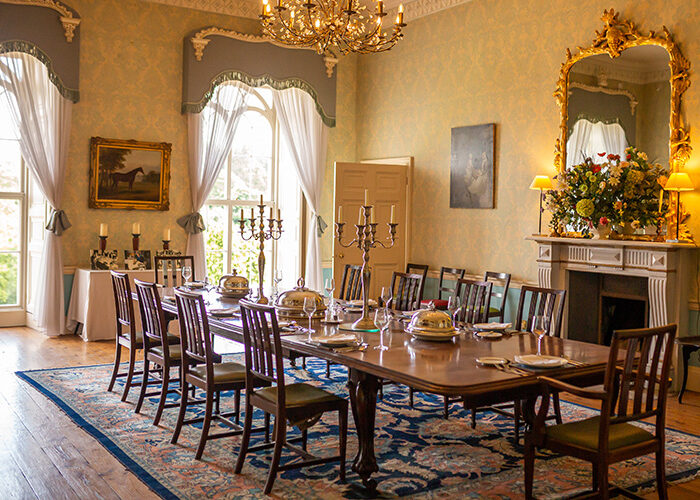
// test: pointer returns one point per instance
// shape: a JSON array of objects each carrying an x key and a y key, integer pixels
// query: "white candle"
[
  {"x": 278, "y": 215},
  {"x": 136, "y": 228},
  {"x": 366, "y": 197},
  {"x": 166, "y": 234},
  {"x": 359, "y": 217},
  {"x": 103, "y": 229},
  {"x": 393, "y": 219},
  {"x": 340, "y": 215},
  {"x": 372, "y": 216},
  {"x": 261, "y": 199},
  {"x": 242, "y": 220}
]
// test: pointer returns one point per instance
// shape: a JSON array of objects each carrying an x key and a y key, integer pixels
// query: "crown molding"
[{"x": 68, "y": 21}]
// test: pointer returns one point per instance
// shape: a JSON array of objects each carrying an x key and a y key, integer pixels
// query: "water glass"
[
  {"x": 310, "y": 309},
  {"x": 186, "y": 274},
  {"x": 453, "y": 306},
  {"x": 540, "y": 327},
  {"x": 386, "y": 296},
  {"x": 382, "y": 318}
]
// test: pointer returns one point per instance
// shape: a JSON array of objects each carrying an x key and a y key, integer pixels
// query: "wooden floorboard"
[{"x": 45, "y": 455}]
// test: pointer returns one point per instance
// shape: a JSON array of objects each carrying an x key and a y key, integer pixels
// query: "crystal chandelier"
[{"x": 347, "y": 25}]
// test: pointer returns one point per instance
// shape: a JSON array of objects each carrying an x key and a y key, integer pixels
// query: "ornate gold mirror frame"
[{"x": 616, "y": 37}]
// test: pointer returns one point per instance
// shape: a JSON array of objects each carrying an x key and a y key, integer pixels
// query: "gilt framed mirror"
[{"x": 625, "y": 89}]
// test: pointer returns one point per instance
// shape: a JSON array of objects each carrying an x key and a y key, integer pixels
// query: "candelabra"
[
  {"x": 365, "y": 241},
  {"x": 261, "y": 234}
]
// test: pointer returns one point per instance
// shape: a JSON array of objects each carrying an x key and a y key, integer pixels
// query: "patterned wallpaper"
[
  {"x": 130, "y": 88},
  {"x": 493, "y": 61}
]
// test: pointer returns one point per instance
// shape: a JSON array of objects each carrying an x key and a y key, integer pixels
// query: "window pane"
[
  {"x": 215, "y": 239},
  {"x": 218, "y": 191},
  {"x": 289, "y": 202},
  {"x": 9, "y": 278},
  {"x": 7, "y": 126},
  {"x": 10, "y": 165},
  {"x": 10, "y": 232},
  {"x": 251, "y": 164}
]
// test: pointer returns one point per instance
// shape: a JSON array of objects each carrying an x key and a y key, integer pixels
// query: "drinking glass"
[
  {"x": 186, "y": 274},
  {"x": 540, "y": 326},
  {"x": 310, "y": 309},
  {"x": 386, "y": 296},
  {"x": 382, "y": 318},
  {"x": 453, "y": 306},
  {"x": 329, "y": 285},
  {"x": 277, "y": 279}
]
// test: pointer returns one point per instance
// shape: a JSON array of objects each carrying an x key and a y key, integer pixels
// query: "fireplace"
[{"x": 602, "y": 303}]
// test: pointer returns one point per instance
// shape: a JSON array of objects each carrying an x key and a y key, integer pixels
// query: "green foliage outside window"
[{"x": 8, "y": 278}]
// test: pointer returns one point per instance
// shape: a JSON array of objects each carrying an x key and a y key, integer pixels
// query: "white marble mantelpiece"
[{"x": 669, "y": 268}]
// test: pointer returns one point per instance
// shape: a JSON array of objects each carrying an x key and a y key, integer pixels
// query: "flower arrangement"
[{"x": 594, "y": 196}]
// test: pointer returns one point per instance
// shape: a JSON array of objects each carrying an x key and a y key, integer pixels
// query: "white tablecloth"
[{"x": 92, "y": 303}]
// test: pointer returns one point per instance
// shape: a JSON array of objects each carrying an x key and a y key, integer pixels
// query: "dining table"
[{"x": 444, "y": 368}]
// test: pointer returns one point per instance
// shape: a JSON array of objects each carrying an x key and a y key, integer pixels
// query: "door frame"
[{"x": 408, "y": 162}]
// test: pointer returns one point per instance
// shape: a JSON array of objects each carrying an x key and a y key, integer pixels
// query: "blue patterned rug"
[{"x": 420, "y": 454}]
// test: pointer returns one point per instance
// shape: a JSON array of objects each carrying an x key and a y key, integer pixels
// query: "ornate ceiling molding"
[
  {"x": 200, "y": 41},
  {"x": 68, "y": 21}
]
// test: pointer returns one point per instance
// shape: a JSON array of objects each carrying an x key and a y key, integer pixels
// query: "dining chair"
[
  {"x": 202, "y": 368},
  {"x": 421, "y": 269},
  {"x": 503, "y": 280},
  {"x": 300, "y": 404},
  {"x": 688, "y": 346},
  {"x": 127, "y": 334},
  {"x": 171, "y": 268},
  {"x": 406, "y": 291},
  {"x": 475, "y": 299},
  {"x": 445, "y": 290},
  {"x": 157, "y": 349},
  {"x": 633, "y": 390},
  {"x": 351, "y": 286}
]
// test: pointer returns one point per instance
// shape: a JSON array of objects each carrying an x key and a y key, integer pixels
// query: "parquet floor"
[{"x": 44, "y": 455}]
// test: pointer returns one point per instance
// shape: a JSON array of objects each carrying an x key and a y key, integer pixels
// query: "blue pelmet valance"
[
  {"x": 213, "y": 56},
  {"x": 51, "y": 34}
]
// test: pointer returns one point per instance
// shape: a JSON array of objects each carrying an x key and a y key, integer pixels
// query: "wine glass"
[
  {"x": 386, "y": 296},
  {"x": 454, "y": 304},
  {"x": 186, "y": 274},
  {"x": 329, "y": 285},
  {"x": 310, "y": 309},
  {"x": 540, "y": 326},
  {"x": 382, "y": 318},
  {"x": 277, "y": 279}
]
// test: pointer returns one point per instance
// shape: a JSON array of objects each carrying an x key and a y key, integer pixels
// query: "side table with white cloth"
[{"x": 92, "y": 302}]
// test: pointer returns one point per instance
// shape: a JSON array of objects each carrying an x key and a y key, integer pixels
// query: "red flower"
[
  {"x": 612, "y": 157},
  {"x": 601, "y": 154},
  {"x": 595, "y": 169},
  {"x": 603, "y": 221},
  {"x": 629, "y": 157}
]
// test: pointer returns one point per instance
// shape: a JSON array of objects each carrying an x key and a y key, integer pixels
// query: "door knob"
[{"x": 340, "y": 256}]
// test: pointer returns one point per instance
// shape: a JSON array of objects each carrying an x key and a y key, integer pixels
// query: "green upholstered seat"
[
  {"x": 172, "y": 339},
  {"x": 223, "y": 372},
  {"x": 175, "y": 351},
  {"x": 494, "y": 310},
  {"x": 298, "y": 395},
  {"x": 585, "y": 434}
]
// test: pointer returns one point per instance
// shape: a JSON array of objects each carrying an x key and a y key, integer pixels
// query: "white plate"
[
  {"x": 442, "y": 337},
  {"x": 497, "y": 327},
  {"x": 229, "y": 311},
  {"x": 339, "y": 339},
  {"x": 491, "y": 361},
  {"x": 195, "y": 284},
  {"x": 358, "y": 303},
  {"x": 489, "y": 334},
  {"x": 542, "y": 361}
]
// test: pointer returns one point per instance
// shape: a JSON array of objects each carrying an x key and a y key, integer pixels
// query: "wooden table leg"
[{"x": 363, "y": 399}]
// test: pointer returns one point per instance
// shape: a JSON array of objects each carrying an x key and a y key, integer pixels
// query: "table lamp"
[
  {"x": 543, "y": 183},
  {"x": 678, "y": 181}
]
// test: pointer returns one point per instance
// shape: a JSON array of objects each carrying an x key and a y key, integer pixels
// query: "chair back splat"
[
  {"x": 152, "y": 318},
  {"x": 123, "y": 302},
  {"x": 351, "y": 286},
  {"x": 194, "y": 330},
  {"x": 475, "y": 299},
  {"x": 406, "y": 291},
  {"x": 542, "y": 302},
  {"x": 171, "y": 268}
]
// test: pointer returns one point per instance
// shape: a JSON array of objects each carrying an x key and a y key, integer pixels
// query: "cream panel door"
[{"x": 387, "y": 185}]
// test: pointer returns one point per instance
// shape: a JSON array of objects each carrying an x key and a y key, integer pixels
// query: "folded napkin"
[
  {"x": 228, "y": 311},
  {"x": 541, "y": 361},
  {"x": 491, "y": 326},
  {"x": 358, "y": 303}
]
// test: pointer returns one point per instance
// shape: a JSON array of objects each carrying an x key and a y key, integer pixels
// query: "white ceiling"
[{"x": 251, "y": 8}]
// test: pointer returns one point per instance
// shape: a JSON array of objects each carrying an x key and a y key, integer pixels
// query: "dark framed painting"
[
  {"x": 129, "y": 174},
  {"x": 472, "y": 166}
]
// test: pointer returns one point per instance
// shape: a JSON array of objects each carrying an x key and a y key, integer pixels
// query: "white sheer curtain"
[
  {"x": 587, "y": 139},
  {"x": 211, "y": 135},
  {"x": 307, "y": 138},
  {"x": 42, "y": 117}
]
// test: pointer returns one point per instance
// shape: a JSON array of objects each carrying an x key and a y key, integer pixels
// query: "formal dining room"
[{"x": 327, "y": 249}]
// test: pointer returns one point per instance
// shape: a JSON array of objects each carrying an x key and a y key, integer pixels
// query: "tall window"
[{"x": 258, "y": 164}]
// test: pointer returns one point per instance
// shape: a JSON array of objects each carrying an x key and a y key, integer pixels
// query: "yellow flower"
[{"x": 585, "y": 208}]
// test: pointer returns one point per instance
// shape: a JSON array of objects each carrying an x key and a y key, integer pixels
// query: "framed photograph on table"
[
  {"x": 137, "y": 260},
  {"x": 103, "y": 260},
  {"x": 129, "y": 174},
  {"x": 472, "y": 166}
]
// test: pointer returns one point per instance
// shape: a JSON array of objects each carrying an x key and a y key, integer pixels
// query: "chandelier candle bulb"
[
  {"x": 380, "y": 7},
  {"x": 103, "y": 229},
  {"x": 399, "y": 17}
]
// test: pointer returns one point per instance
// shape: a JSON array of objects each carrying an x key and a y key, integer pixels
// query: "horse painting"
[{"x": 127, "y": 177}]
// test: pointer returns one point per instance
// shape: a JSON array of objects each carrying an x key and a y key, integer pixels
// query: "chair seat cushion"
[
  {"x": 584, "y": 433},
  {"x": 298, "y": 395},
  {"x": 223, "y": 372},
  {"x": 174, "y": 350},
  {"x": 172, "y": 339},
  {"x": 494, "y": 311},
  {"x": 439, "y": 303}
]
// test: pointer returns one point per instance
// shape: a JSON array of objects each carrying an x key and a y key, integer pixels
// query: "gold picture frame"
[
  {"x": 128, "y": 174},
  {"x": 616, "y": 37}
]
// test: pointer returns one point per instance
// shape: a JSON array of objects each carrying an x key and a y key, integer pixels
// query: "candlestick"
[
  {"x": 103, "y": 230},
  {"x": 103, "y": 243},
  {"x": 166, "y": 244},
  {"x": 365, "y": 241},
  {"x": 135, "y": 241},
  {"x": 258, "y": 232}
]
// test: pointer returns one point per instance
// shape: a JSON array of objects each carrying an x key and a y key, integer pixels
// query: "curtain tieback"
[
  {"x": 320, "y": 225},
  {"x": 192, "y": 223},
  {"x": 58, "y": 222}
]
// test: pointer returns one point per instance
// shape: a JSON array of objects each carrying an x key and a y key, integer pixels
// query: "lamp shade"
[
  {"x": 679, "y": 181},
  {"x": 541, "y": 182}
]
